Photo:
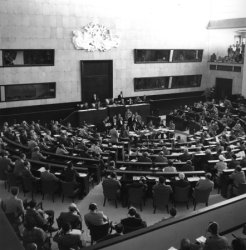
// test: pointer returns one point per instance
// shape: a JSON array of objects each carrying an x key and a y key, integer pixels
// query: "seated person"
[
  {"x": 204, "y": 184},
  {"x": 144, "y": 158},
  {"x": 37, "y": 155},
  {"x": 95, "y": 217},
  {"x": 170, "y": 167},
  {"x": 72, "y": 217},
  {"x": 13, "y": 204},
  {"x": 37, "y": 217},
  {"x": 161, "y": 158},
  {"x": 221, "y": 165},
  {"x": 61, "y": 150},
  {"x": 188, "y": 166},
  {"x": 237, "y": 177},
  {"x": 67, "y": 239},
  {"x": 181, "y": 182},
  {"x": 161, "y": 185},
  {"x": 214, "y": 241},
  {"x": 19, "y": 165},
  {"x": 185, "y": 244},
  {"x": 185, "y": 156},
  {"x": 112, "y": 182},
  {"x": 27, "y": 172},
  {"x": 69, "y": 174},
  {"x": 133, "y": 221},
  {"x": 47, "y": 176},
  {"x": 34, "y": 235}
]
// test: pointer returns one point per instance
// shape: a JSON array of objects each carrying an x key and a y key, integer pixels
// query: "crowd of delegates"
[
  {"x": 97, "y": 103},
  {"x": 40, "y": 138},
  {"x": 235, "y": 54},
  {"x": 38, "y": 225}
]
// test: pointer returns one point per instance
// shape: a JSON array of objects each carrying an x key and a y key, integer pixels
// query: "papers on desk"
[
  {"x": 201, "y": 239},
  {"x": 195, "y": 178},
  {"x": 82, "y": 175},
  {"x": 176, "y": 154},
  {"x": 41, "y": 170},
  {"x": 213, "y": 161},
  {"x": 122, "y": 168},
  {"x": 152, "y": 178},
  {"x": 136, "y": 178},
  {"x": 133, "y": 160},
  {"x": 57, "y": 173},
  {"x": 75, "y": 232},
  {"x": 167, "y": 181}
]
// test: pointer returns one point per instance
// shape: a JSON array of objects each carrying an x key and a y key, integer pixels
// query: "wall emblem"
[{"x": 94, "y": 37}]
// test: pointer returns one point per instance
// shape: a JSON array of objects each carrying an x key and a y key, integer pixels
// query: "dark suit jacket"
[
  {"x": 68, "y": 241},
  {"x": 133, "y": 222},
  {"x": 144, "y": 159},
  {"x": 68, "y": 217},
  {"x": 181, "y": 183},
  {"x": 160, "y": 158}
]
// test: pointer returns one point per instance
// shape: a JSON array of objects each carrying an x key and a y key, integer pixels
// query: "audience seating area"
[{"x": 133, "y": 155}]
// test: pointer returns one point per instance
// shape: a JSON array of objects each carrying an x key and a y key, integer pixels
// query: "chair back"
[
  {"x": 49, "y": 187},
  {"x": 67, "y": 188},
  {"x": 109, "y": 192},
  {"x": 181, "y": 194},
  {"x": 28, "y": 184},
  {"x": 242, "y": 188},
  {"x": 135, "y": 195},
  {"x": 202, "y": 196},
  {"x": 161, "y": 198},
  {"x": 99, "y": 232}
]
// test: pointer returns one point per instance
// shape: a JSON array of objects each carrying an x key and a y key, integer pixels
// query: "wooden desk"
[{"x": 94, "y": 116}]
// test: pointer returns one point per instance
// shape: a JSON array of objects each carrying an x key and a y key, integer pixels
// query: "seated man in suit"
[
  {"x": 215, "y": 241},
  {"x": 185, "y": 244},
  {"x": 181, "y": 182},
  {"x": 144, "y": 158},
  {"x": 114, "y": 135},
  {"x": 204, "y": 184},
  {"x": 37, "y": 155},
  {"x": 72, "y": 217},
  {"x": 237, "y": 177},
  {"x": 112, "y": 182},
  {"x": 161, "y": 158},
  {"x": 38, "y": 217},
  {"x": 66, "y": 238},
  {"x": 188, "y": 166},
  {"x": 133, "y": 221},
  {"x": 47, "y": 176},
  {"x": 161, "y": 185},
  {"x": 95, "y": 217},
  {"x": 34, "y": 235},
  {"x": 19, "y": 165}
]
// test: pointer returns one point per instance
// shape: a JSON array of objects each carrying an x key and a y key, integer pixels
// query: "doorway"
[
  {"x": 223, "y": 88},
  {"x": 96, "y": 77}
]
